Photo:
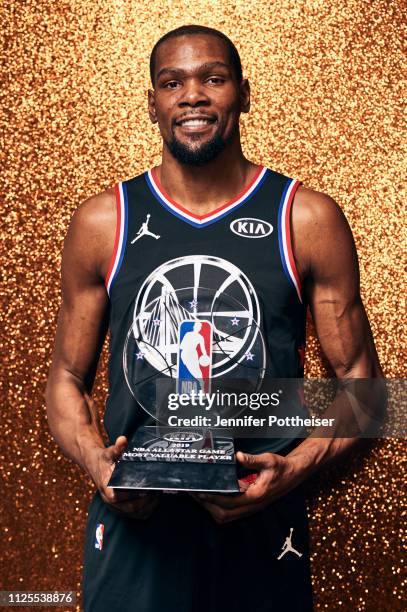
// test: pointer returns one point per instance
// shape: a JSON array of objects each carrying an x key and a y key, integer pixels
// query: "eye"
[
  {"x": 216, "y": 80},
  {"x": 171, "y": 84}
]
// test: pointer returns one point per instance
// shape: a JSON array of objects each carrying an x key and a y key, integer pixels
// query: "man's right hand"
[{"x": 130, "y": 504}]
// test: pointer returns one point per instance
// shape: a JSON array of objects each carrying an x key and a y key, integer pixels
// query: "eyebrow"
[{"x": 201, "y": 68}]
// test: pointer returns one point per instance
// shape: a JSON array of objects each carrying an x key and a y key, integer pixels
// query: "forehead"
[{"x": 188, "y": 52}]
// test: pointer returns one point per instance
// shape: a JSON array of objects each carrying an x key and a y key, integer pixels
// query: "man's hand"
[
  {"x": 130, "y": 504},
  {"x": 276, "y": 476}
]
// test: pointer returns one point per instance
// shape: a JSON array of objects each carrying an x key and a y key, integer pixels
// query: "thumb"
[
  {"x": 114, "y": 451},
  {"x": 252, "y": 462}
]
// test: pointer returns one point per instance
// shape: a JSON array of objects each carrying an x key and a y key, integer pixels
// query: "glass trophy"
[{"x": 189, "y": 352}]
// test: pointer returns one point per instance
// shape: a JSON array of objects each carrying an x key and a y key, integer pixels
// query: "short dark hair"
[{"x": 189, "y": 30}]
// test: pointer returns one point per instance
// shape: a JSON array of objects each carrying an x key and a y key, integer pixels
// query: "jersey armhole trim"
[
  {"x": 120, "y": 238},
  {"x": 284, "y": 235}
]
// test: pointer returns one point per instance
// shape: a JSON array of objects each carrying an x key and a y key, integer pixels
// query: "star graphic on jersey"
[
  {"x": 249, "y": 356},
  {"x": 193, "y": 304},
  {"x": 235, "y": 321},
  {"x": 139, "y": 355},
  {"x": 156, "y": 322}
]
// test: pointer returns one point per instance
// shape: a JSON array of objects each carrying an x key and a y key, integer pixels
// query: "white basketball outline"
[{"x": 197, "y": 261}]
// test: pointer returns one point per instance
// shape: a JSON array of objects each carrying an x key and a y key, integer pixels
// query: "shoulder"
[
  {"x": 319, "y": 228},
  {"x": 312, "y": 208},
  {"x": 91, "y": 233},
  {"x": 96, "y": 212}
]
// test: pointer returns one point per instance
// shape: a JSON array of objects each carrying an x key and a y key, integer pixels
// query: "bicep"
[
  {"x": 81, "y": 330},
  {"x": 83, "y": 317},
  {"x": 333, "y": 293}
]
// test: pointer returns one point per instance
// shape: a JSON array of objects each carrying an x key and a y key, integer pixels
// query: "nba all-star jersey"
[
  {"x": 232, "y": 271},
  {"x": 229, "y": 280}
]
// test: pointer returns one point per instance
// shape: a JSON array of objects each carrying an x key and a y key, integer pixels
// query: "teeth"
[{"x": 195, "y": 122}]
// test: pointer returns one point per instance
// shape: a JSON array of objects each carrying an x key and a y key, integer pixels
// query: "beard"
[{"x": 198, "y": 155}]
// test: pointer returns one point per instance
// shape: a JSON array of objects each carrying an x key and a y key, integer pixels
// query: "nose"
[{"x": 193, "y": 94}]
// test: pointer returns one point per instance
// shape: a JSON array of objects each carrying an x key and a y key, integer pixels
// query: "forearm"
[
  {"x": 357, "y": 409},
  {"x": 313, "y": 453},
  {"x": 74, "y": 426}
]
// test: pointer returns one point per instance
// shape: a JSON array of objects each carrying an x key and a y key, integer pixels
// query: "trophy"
[{"x": 185, "y": 348}]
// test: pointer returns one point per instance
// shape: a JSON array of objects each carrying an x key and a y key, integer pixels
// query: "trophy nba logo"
[
  {"x": 99, "y": 536},
  {"x": 194, "y": 356}
]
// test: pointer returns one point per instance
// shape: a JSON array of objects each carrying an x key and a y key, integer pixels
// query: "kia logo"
[
  {"x": 248, "y": 227},
  {"x": 183, "y": 436}
]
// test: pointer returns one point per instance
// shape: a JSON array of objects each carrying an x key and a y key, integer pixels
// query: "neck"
[{"x": 201, "y": 189}]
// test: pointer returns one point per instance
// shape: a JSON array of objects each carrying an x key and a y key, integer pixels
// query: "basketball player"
[{"x": 204, "y": 204}]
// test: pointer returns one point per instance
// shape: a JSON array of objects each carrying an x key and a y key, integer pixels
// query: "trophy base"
[
  {"x": 182, "y": 460},
  {"x": 175, "y": 477}
]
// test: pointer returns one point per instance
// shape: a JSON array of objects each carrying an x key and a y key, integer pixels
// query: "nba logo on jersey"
[
  {"x": 99, "y": 536},
  {"x": 194, "y": 356}
]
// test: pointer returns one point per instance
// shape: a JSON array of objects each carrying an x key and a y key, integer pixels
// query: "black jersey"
[
  {"x": 234, "y": 269},
  {"x": 234, "y": 266}
]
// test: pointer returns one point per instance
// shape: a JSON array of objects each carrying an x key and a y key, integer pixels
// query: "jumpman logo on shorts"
[
  {"x": 144, "y": 231},
  {"x": 287, "y": 546}
]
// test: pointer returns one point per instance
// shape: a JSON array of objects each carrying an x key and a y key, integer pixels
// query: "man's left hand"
[{"x": 276, "y": 475}]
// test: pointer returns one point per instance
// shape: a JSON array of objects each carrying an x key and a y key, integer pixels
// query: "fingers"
[
  {"x": 220, "y": 501},
  {"x": 135, "y": 505},
  {"x": 256, "y": 462},
  {"x": 127, "y": 501},
  {"x": 224, "y": 515},
  {"x": 138, "y": 509},
  {"x": 120, "y": 446},
  {"x": 243, "y": 486},
  {"x": 113, "y": 452},
  {"x": 249, "y": 496},
  {"x": 255, "y": 492},
  {"x": 245, "y": 482},
  {"x": 108, "y": 495},
  {"x": 125, "y": 494},
  {"x": 113, "y": 496}
]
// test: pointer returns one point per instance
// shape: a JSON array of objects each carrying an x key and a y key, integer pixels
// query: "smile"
[{"x": 195, "y": 122}]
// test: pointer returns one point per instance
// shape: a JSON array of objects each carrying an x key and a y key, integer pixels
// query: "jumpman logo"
[
  {"x": 287, "y": 546},
  {"x": 144, "y": 231}
]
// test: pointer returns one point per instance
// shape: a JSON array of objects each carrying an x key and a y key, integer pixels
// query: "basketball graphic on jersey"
[
  {"x": 196, "y": 319},
  {"x": 196, "y": 287},
  {"x": 194, "y": 356}
]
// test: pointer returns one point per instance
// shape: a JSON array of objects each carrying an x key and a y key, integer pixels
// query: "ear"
[
  {"x": 151, "y": 106},
  {"x": 245, "y": 96}
]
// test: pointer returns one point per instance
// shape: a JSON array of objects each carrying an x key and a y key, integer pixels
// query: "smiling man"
[{"x": 190, "y": 223}]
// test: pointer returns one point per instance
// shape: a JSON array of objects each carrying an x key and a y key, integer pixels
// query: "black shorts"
[{"x": 180, "y": 560}]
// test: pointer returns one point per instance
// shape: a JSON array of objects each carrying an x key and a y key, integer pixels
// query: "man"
[{"x": 205, "y": 203}]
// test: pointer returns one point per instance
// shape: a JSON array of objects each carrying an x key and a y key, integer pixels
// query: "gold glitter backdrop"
[{"x": 327, "y": 82}]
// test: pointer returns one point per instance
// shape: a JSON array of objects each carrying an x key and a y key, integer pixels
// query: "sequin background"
[{"x": 327, "y": 86}]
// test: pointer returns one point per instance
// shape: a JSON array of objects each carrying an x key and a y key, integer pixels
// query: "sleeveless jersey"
[{"x": 169, "y": 263}]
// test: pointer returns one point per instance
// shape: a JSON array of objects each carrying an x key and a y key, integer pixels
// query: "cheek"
[
  {"x": 231, "y": 118},
  {"x": 231, "y": 111},
  {"x": 164, "y": 122},
  {"x": 163, "y": 111}
]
